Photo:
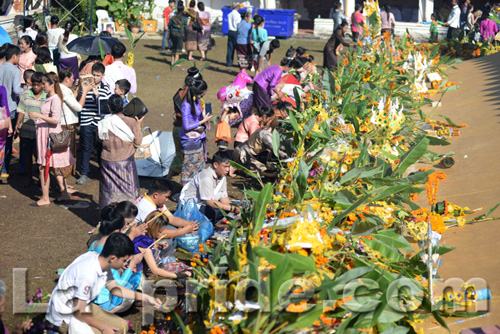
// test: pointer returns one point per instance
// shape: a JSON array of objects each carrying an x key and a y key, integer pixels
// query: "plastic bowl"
[{"x": 189, "y": 242}]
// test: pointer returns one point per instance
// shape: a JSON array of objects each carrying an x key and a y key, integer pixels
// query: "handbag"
[
  {"x": 135, "y": 108},
  {"x": 196, "y": 26},
  {"x": 59, "y": 141},
  {"x": 4, "y": 120}
]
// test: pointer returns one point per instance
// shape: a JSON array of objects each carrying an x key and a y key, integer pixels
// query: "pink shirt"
[
  {"x": 246, "y": 128},
  {"x": 387, "y": 22},
  {"x": 118, "y": 70},
  {"x": 488, "y": 29},
  {"x": 26, "y": 61},
  {"x": 360, "y": 19}
]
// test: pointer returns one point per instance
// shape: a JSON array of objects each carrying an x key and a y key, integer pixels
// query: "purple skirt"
[
  {"x": 71, "y": 63},
  {"x": 118, "y": 181},
  {"x": 3, "y": 141},
  {"x": 260, "y": 97}
]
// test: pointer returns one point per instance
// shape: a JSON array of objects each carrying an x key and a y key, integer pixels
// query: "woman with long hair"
[
  {"x": 68, "y": 59},
  {"x": 330, "y": 49},
  {"x": 27, "y": 57},
  {"x": 193, "y": 133},
  {"x": 177, "y": 26},
  {"x": 179, "y": 98},
  {"x": 49, "y": 121},
  {"x": 120, "y": 135},
  {"x": 357, "y": 22},
  {"x": 43, "y": 61},
  {"x": 258, "y": 37},
  {"x": 205, "y": 35},
  {"x": 388, "y": 21},
  {"x": 243, "y": 41},
  {"x": 191, "y": 34},
  {"x": 28, "y": 28}
]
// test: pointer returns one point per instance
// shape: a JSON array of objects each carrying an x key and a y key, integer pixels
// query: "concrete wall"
[{"x": 323, "y": 28}]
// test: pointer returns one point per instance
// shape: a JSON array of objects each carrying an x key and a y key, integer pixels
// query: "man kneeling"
[
  {"x": 209, "y": 189},
  {"x": 70, "y": 306}
]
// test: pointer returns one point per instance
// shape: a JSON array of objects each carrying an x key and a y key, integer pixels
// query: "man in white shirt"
[
  {"x": 54, "y": 32},
  {"x": 209, "y": 189},
  {"x": 233, "y": 19},
  {"x": 453, "y": 21},
  {"x": 71, "y": 306},
  {"x": 155, "y": 200},
  {"x": 118, "y": 70}
]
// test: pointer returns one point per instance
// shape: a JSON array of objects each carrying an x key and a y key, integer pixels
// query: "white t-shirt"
[
  {"x": 145, "y": 206},
  {"x": 83, "y": 279},
  {"x": 233, "y": 19},
  {"x": 30, "y": 32},
  {"x": 54, "y": 35},
  {"x": 63, "y": 47}
]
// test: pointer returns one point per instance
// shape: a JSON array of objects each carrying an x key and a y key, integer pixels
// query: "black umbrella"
[{"x": 89, "y": 45}]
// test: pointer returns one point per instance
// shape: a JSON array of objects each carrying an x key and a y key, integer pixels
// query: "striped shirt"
[
  {"x": 90, "y": 112},
  {"x": 28, "y": 103}
]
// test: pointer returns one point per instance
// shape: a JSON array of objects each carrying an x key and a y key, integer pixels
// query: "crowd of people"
[{"x": 55, "y": 115}]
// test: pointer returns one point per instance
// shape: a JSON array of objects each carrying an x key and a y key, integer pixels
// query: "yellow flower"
[{"x": 367, "y": 75}]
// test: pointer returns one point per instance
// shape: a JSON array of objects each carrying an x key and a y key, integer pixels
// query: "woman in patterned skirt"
[{"x": 194, "y": 124}]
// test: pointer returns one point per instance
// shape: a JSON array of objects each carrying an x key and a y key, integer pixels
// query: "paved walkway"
[{"x": 473, "y": 181}]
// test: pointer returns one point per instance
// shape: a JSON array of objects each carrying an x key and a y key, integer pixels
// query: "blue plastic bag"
[{"x": 189, "y": 211}]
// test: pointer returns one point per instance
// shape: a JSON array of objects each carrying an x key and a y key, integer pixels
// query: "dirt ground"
[{"x": 47, "y": 238}]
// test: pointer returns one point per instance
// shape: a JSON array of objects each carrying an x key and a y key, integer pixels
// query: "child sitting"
[
  {"x": 223, "y": 131},
  {"x": 122, "y": 87},
  {"x": 152, "y": 250}
]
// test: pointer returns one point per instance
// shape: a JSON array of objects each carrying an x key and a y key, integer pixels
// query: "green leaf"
[
  {"x": 252, "y": 263},
  {"x": 410, "y": 157},
  {"x": 178, "y": 321},
  {"x": 232, "y": 259},
  {"x": 490, "y": 211},
  {"x": 367, "y": 226},
  {"x": 298, "y": 263},
  {"x": 129, "y": 35},
  {"x": 450, "y": 122},
  {"x": 392, "y": 239},
  {"x": 437, "y": 141},
  {"x": 305, "y": 319},
  {"x": 440, "y": 320},
  {"x": 360, "y": 173},
  {"x": 101, "y": 49},
  {"x": 276, "y": 143},
  {"x": 260, "y": 207},
  {"x": 102, "y": 3},
  {"x": 386, "y": 251},
  {"x": 278, "y": 276},
  {"x": 383, "y": 192},
  {"x": 204, "y": 66},
  {"x": 180, "y": 61},
  {"x": 293, "y": 122},
  {"x": 344, "y": 197},
  {"x": 246, "y": 171}
]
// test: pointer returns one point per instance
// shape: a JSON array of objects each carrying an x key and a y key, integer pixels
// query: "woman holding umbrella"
[
  {"x": 49, "y": 121},
  {"x": 68, "y": 59}
]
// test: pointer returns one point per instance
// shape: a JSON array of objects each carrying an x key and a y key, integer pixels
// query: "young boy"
[
  {"x": 156, "y": 199},
  {"x": 71, "y": 306},
  {"x": 27, "y": 78},
  {"x": 93, "y": 98},
  {"x": 31, "y": 101},
  {"x": 434, "y": 29},
  {"x": 122, "y": 87}
]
